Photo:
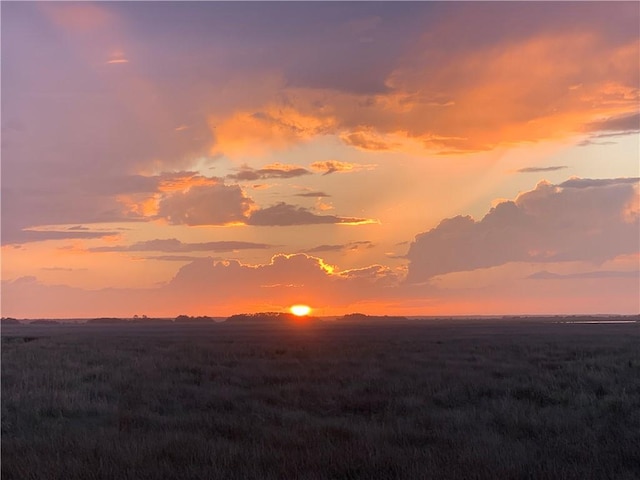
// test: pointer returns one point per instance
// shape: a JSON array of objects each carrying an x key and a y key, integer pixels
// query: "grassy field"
[{"x": 463, "y": 399}]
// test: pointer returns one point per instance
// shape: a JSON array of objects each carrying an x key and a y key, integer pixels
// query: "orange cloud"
[
  {"x": 274, "y": 170},
  {"x": 146, "y": 204},
  {"x": 183, "y": 181},
  {"x": 284, "y": 214},
  {"x": 269, "y": 128},
  {"x": 331, "y": 166},
  {"x": 524, "y": 91},
  {"x": 117, "y": 58},
  {"x": 547, "y": 86}
]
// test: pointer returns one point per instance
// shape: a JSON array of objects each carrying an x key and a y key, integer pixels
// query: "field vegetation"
[{"x": 417, "y": 400}]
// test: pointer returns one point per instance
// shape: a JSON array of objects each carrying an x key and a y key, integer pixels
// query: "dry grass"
[{"x": 473, "y": 401}]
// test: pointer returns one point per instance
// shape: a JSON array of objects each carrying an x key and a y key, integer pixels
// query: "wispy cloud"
[
  {"x": 545, "y": 275},
  {"x": 283, "y": 214},
  {"x": 173, "y": 245},
  {"x": 275, "y": 170},
  {"x": 28, "y": 236},
  {"x": 174, "y": 258},
  {"x": 542, "y": 169},
  {"x": 345, "y": 247},
  {"x": 332, "y": 166},
  {"x": 312, "y": 194}
]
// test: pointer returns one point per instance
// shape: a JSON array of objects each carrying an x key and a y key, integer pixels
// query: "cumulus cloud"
[
  {"x": 207, "y": 286},
  {"x": 298, "y": 278},
  {"x": 275, "y": 170},
  {"x": 217, "y": 204},
  {"x": 581, "y": 219},
  {"x": 296, "y": 269},
  {"x": 284, "y": 214},
  {"x": 173, "y": 245}
]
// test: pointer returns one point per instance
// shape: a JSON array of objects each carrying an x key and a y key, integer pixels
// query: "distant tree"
[
  {"x": 361, "y": 317},
  {"x": 188, "y": 319},
  {"x": 9, "y": 321},
  {"x": 106, "y": 320},
  {"x": 275, "y": 318}
]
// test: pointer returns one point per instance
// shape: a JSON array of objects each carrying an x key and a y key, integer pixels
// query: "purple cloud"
[
  {"x": 541, "y": 169},
  {"x": 283, "y": 214},
  {"x": 206, "y": 205},
  {"x": 272, "y": 171},
  {"x": 581, "y": 219},
  {"x": 173, "y": 245}
]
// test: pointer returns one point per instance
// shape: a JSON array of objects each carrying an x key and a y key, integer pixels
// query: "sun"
[{"x": 300, "y": 310}]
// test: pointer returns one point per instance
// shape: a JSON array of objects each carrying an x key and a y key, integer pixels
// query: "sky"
[{"x": 389, "y": 158}]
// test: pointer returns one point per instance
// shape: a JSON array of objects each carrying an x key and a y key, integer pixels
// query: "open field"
[{"x": 480, "y": 399}]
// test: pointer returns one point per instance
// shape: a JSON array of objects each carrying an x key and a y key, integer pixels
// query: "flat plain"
[{"x": 444, "y": 399}]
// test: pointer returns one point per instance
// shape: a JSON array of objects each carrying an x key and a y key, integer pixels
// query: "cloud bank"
[{"x": 580, "y": 219}]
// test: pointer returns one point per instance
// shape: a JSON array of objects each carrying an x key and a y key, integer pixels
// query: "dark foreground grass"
[{"x": 536, "y": 401}]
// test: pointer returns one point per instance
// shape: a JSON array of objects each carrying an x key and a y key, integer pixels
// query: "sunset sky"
[{"x": 212, "y": 158}]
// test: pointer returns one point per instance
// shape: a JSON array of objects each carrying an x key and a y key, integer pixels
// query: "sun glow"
[{"x": 300, "y": 310}]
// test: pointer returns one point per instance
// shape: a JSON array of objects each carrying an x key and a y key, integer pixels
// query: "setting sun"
[{"x": 300, "y": 310}]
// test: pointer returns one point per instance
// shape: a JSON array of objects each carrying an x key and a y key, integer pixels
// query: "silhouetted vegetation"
[
  {"x": 188, "y": 319},
  {"x": 44, "y": 322},
  {"x": 9, "y": 321},
  {"x": 150, "y": 321},
  {"x": 362, "y": 318},
  {"x": 107, "y": 321},
  {"x": 19, "y": 339},
  {"x": 331, "y": 401},
  {"x": 272, "y": 318}
]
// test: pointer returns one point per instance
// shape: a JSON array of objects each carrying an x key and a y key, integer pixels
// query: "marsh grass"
[{"x": 325, "y": 402}]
